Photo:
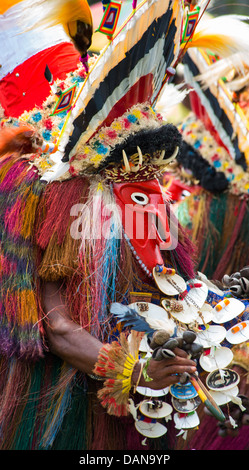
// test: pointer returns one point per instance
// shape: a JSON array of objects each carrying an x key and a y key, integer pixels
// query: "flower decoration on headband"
[
  {"x": 134, "y": 142},
  {"x": 232, "y": 177}
]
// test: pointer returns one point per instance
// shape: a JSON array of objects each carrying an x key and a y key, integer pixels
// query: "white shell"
[
  {"x": 144, "y": 346},
  {"x": 186, "y": 422},
  {"x": 217, "y": 359},
  {"x": 149, "y": 392},
  {"x": 165, "y": 286},
  {"x": 221, "y": 398},
  {"x": 197, "y": 295},
  {"x": 211, "y": 286},
  {"x": 187, "y": 315},
  {"x": 157, "y": 413},
  {"x": 221, "y": 382},
  {"x": 186, "y": 406},
  {"x": 228, "y": 312},
  {"x": 211, "y": 336},
  {"x": 207, "y": 314},
  {"x": 240, "y": 336},
  {"x": 152, "y": 430},
  {"x": 155, "y": 316}
]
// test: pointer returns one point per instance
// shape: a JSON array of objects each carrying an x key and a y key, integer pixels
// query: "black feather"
[
  {"x": 130, "y": 317},
  {"x": 48, "y": 75}
]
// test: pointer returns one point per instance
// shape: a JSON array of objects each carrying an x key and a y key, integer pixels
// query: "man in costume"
[{"x": 78, "y": 179}]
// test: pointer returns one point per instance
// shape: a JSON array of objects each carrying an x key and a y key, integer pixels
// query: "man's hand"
[{"x": 165, "y": 372}]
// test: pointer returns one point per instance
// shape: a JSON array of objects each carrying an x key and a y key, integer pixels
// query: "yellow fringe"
[
  {"x": 26, "y": 308},
  {"x": 59, "y": 261},
  {"x": 29, "y": 213},
  {"x": 7, "y": 166}
]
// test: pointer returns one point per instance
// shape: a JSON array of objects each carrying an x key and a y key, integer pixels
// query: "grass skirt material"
[
  {"x": 218, "y": 226},
  {"x": 44, "y": 404}
]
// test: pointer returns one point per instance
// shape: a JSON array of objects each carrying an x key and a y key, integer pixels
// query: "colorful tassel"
[
  {"x": 20, "y": 328},
  {"x": 116, "y": 363}
]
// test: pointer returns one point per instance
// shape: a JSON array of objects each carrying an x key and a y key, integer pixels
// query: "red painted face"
[{"x": 144, "y": 220}]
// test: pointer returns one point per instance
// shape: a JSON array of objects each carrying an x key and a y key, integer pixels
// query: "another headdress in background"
[{"x": 216, "y": 68}]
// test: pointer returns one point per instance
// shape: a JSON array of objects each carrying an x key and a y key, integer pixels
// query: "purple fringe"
[{"x": 206, "y": 438}]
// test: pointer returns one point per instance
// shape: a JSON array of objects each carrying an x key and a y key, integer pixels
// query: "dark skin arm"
[
  {"x": 66, "y": 339},
  {"x": 78, "y": 348}
]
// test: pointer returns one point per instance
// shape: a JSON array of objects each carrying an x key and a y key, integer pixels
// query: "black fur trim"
[
  {"x": 167, "y": 137},
  {"x": 210, "y": 179}
]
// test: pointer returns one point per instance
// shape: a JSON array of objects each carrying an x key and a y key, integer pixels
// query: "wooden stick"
[{"x": 206, "y": 398}]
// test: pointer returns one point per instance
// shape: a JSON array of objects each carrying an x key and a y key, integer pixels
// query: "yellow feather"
[
  {"x": 218, "y": 44},
  {"x": 67, "y": 11},
  {"x": 72, "y": 28},
  {"x": 225, "y": 35},
  {"x": 73, "y": 15},
  {"x": 48, "y": 13}
]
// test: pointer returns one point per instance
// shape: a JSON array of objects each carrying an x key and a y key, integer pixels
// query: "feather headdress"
[
  {"x": 146, "y": 46},
  {"x": 48, "y": 13},
  {"x": 74, "y": 15},
  {"x": 216, "y": 65},
  {"x": 228, "y": 38}
]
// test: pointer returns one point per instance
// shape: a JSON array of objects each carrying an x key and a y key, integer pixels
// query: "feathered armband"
[{"x": 116, "y": 362}]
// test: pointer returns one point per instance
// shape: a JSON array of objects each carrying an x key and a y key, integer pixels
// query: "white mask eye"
[{"x": 140, "y": 198}]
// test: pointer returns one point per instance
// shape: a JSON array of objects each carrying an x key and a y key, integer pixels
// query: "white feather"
[
  {"x": 224, "y": 35},
  {"x": 171, "y": 97},
  {"x": 219, "y": 69},
  {"x": 232, "y": 47},
  {"x": 238, "y": 83}
]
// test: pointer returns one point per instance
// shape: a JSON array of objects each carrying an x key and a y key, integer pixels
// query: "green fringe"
[
  {"x": 39, "y": 409},
  {"x": 219, "y": 249}
]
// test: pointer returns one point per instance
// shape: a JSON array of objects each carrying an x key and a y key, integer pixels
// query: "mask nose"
[{"x": 158, "y": 225}]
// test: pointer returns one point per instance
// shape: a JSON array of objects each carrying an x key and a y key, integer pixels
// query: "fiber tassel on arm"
[{"x": 116, "y": 362}]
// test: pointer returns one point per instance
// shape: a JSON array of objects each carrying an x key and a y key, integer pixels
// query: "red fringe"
[{"x": 55, "y": 207}]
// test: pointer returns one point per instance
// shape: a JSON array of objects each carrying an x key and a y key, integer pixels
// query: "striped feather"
[{"x": 144, "y": 47}]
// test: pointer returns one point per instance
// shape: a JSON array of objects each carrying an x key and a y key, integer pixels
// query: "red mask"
[{"x": 144, "y": 220}]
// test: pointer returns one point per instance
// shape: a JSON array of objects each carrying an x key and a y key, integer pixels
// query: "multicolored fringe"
[
  {"x": 115, "y": 363},
  {"x": 41, "y": 403},
  {"x": 69, "y": 231},
  {"x": 20, "y": 313},
  {"x": 218, "y": 225},
  {"x": 35, "y": 400}
]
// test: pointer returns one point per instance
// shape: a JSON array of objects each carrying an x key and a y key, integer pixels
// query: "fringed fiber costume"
[
  {"x": 212, "y": 169},
  {"x": 213, "y": 164},
  {"x": 79, "y": 176}
]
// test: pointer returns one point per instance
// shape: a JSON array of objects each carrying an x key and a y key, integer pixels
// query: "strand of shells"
[{"x": 238, "y": 282}]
